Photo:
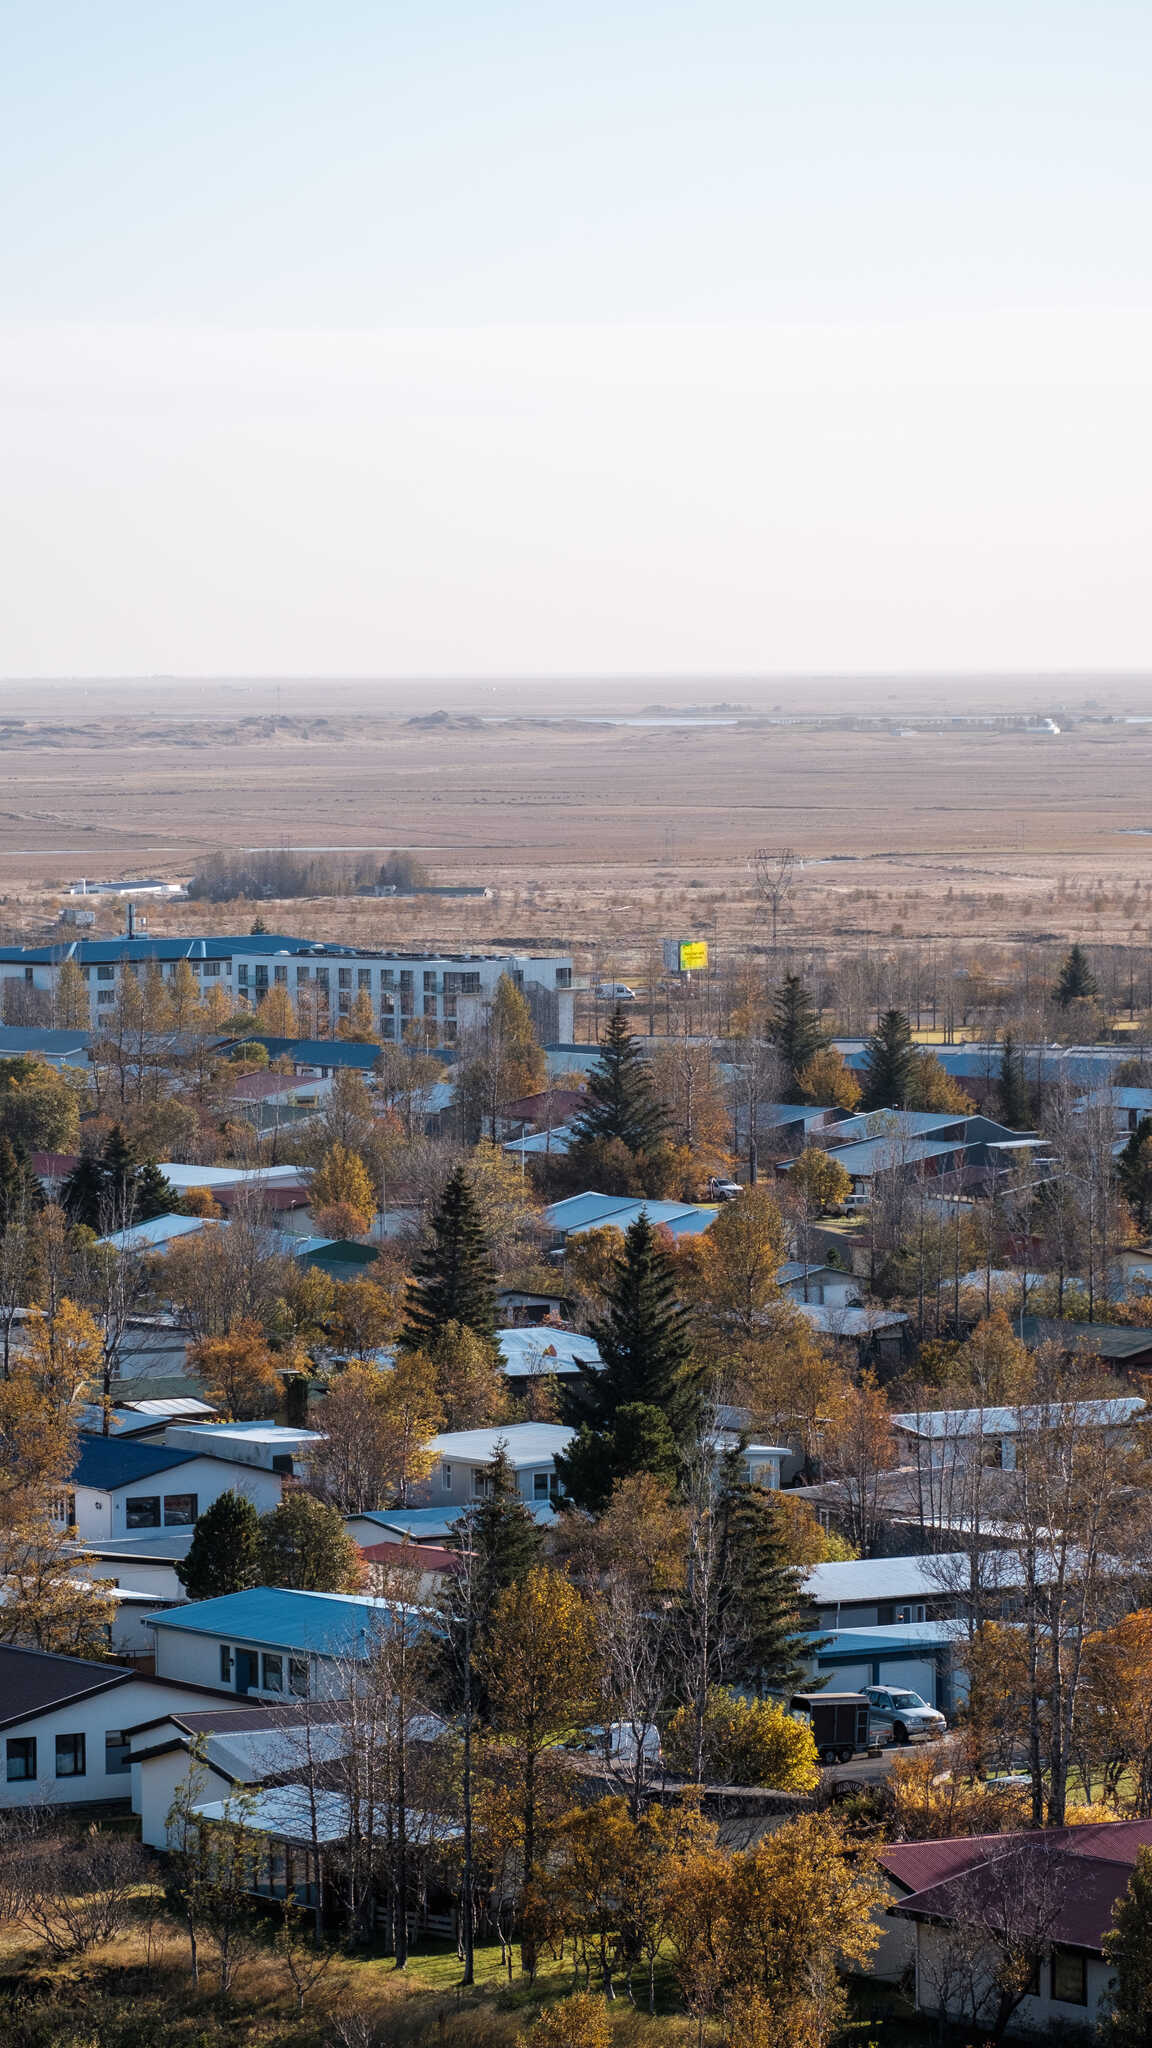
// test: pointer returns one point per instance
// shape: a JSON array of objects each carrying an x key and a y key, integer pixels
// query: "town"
[{"x": 632, "y": 1522}]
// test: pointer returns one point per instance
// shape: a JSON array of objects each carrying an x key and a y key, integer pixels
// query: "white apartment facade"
[{"x": 441, "y": 992}]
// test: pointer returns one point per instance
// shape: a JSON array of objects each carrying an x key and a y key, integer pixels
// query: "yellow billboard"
[{"x": 693, "y": 955}]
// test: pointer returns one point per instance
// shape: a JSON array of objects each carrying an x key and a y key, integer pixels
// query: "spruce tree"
[
  {"x": 224, "y": 1554},
  {"x": 452, "y": 1277},
  {"x": 153, "y": 1195},
  {"x": 1012, "y": 1092},
  {"x": 769, "y": 1649},
  {"x": 20, "y": 1192},
  {"x": 795, "y": 1031},
  {"x": 639, "y": 1440},
  {"x": 1128, "y": 1950},
  {"x": 888, "y": 1057},
  {"x": 1076, "y": 982},
  {"x": 622, "y": 1102},
  {"x": 1134, "y": 1172},
  {"x": 504, "y": 1538},
  {"x": 82, "y": 1195},
  {"x": 304, "y": 1544},
  {"x": 647, "y": 1360},
  {"x": 119, "y": 1171}
]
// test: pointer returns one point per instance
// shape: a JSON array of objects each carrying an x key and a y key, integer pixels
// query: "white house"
[
  {"x": 121, "y": 1487},
  {"x": 938, "y": 1437},
  {"x": 271, "y": 1642},
  {"x": 825, "y": 1286},
  {"x": 63, "y": 1723},
  {"x": 146, "y": 1561},
  {"x": 237, "y": 1745},
  {"x": 460, "y": 1456}
]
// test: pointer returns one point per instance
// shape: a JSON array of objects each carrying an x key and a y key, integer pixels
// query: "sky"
[{"x": 397, "y": 339}]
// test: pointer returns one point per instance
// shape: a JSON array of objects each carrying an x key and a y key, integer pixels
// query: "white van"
[{"x": 614, "y": 992}]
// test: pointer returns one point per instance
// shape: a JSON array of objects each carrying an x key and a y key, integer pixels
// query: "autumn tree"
[
  {"x": 224, "y": 1554},
  {"x": 746, "y": 1742},
  {"x": 70, "y": 1000},
  {"x": 1128, "y": 1951},
  {"x": 62, "y": 1352},
  {"x": 364, "y": 1318},
  {"x": 930, "y": 1086},
  {"x": 452, "y": 1277},
  {"x": 342, "y": 1183},
  {"x": 859, "y": 1449},
  {"x": 238, "y": 1371},
  {"x": 503, "y": 1062},
  {"x": 303, "y": 1544},
  {"x": 39, "y": 1104},
  {"x": 736, "y": 1262},
  {"x": 538, "y": 1661},
  {"x": 823, "y": 1182},
  {"x": 826, "y": 1079},
  {"x": 377, "y": 1427}
]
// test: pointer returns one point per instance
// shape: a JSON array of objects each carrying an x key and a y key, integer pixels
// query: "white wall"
[
  {"x": 159, "y": 1579},
  {"x": 118, "y": 1708},
  {"x": 156, "y": 1783},
  {"x": 194, "y": 1659},
  {"x": 1034, "y": 2016},
  {"x": 101, "y": 1514}
]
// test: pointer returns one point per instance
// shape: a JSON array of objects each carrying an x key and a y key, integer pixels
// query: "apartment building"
[{"x": 443, "y": 992}]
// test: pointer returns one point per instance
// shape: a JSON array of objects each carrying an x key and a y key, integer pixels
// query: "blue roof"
[
  {"x": 106, "y": 1462},
  {"x": 421, "y": 1524},
  {"x": 318, "y": 1052},
  {"x": 331, "y": 1624},
  {"x": 17, "y": 1038}
]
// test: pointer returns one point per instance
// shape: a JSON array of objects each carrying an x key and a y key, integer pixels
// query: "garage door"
[
  {"x": 846, "y": 1677},
  {"x": 917, "y": 1673}
]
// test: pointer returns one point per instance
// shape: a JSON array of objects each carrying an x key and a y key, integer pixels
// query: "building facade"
[{"x": 440, "y": 992}]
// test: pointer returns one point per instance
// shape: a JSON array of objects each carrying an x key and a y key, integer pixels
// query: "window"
[
  {"x": 117, "y": 1753},
  {"x": 447, "y": 1470},
  {"x": 273, "y": 1673},
  {"x": 142, "y": 1511},
  {"x": 363, "y": 977},
  {"x": 106, "y": 995},
  {"x": 280, "y": 974},
  {"x": 885, "y": 1615},
  {"x": 225, "y": 1663},
  {"x": 70, "y": 1758},
  {"x": 105, "y": 974},
  {"x": 1069, "y": 1977},
  {"x": 539, "y": 1486},
  {"x": 322, "y": 977},
  {"x": 210, "y": 967},
  {"x": 344, "y": 977},
  {"x": 429, "y": 977},
  {"x": 563, "y": 977},
  {"x": 303, "y": 974},
  {"x": 282, "y": 1461},
  {"x": 298, "y": 1677},
  {"x": 180, "y": 1510},
  {"x": 21, "y": 1758}
]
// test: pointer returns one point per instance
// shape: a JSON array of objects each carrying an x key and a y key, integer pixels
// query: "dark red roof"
[
  {"x": 1099, "y": 1861},
  {"x": 430, "y": 1557}
]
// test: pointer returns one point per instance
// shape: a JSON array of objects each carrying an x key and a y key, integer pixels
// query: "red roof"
[
  {"x": 1098, "y": 1862},
  {"x": 429, "y": 1557}
]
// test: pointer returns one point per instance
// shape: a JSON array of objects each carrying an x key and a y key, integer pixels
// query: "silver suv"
[{"x": 896, "y": 1715}]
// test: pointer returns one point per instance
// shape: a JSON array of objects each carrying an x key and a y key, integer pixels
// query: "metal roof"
[
  {"x": 104, "y": 1463},
  {"x": 328, "y": 1624},
  {"x": 34, "y": 1682},
  {"x": 936, "y": 1423},
  {"x": 157, "y": 1231},
  {"x": 525, "y": 1443},
  {"x": 897, "y": 1578},
  {"x": 528, "y": 1350}
]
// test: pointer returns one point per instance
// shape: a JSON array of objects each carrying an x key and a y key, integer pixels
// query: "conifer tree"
[
  {"x": 622, "y": 1102},
  {"x": 118, "y": 1169},
  {"x": 646, "y": 1352},
  {"x": 452, "y": 1277},
  {"x": 153, "y": 1195},
  {"x": 1128, "y": 1949},
  {"x": 224, "y": 1554},
  {"x": 1134, "y": 1172},
  {"x": 794, "y": 1029},
  {"x": 304, "y": 1544},
  {"x": 1013, "y": 1098},
  {"x": 888, "y": 1056},
  {"x": 20, "y": 1192},
  {"x": 1076, "y": 982},
  {"x": 764, "y": 1597},
  {"x": 503, "y": 1536},
  {"x": 640, "y": 1440},
  {"x": 82, "y": 1195}
]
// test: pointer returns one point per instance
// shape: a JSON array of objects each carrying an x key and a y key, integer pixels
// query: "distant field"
[{"x": 588, "y": 832}]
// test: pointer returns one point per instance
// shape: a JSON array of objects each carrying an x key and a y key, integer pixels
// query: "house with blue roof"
[
  {"x": 270, "y": 1643},
  {"x": 592, "y": 1211},
  {"x": 122, "y": 1487}
]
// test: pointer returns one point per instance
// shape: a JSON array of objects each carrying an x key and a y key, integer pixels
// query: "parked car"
[
  {"x": 615, "y": 992},
  {"x": 896, "y": 1715},
  {"x": 723, "y": 1190},
  {"x": 617, "y": 1742},
  {"x": 838, "y": 1720}
]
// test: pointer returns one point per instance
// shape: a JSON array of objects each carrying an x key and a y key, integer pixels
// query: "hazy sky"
[{"x": 437, "y": 338}]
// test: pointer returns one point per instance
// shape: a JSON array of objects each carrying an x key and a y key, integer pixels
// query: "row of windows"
[
  {"x": 153, "y": 1510},
  {"x": 71, "y": 1756},
  {"x": 545, "y": 1485},
  {"x": 264, "y": 1672}
]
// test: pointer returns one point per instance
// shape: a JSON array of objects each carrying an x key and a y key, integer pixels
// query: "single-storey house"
[
  {"x": 578, "y": 1213},
  {"x": 63, "y": 1723},
  {"x": 272, "y": 1642},
  {"x": 158, "y": 1233},
  {"x": 425, "y": 1525},
  {"x": 988, "y": 1436},
  {"x": 1051, "y": 1895},
  {"x": 886, "y": 1592},
  {"x": 264, "y": 1446},
  {"x": 820, "y": 1286},
  {"x": 237, "y": 1745},
  {"x": 1119, "y": 1346},
  {"x": 119, "y": 1487},
  {"x": 146, "y": 1561},
  {"x": 460, "y": 1457},
  {"x": 926, "y": 1656}
]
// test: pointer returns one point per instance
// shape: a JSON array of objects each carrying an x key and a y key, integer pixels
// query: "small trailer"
[{"x": 838, "y": 1720}]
